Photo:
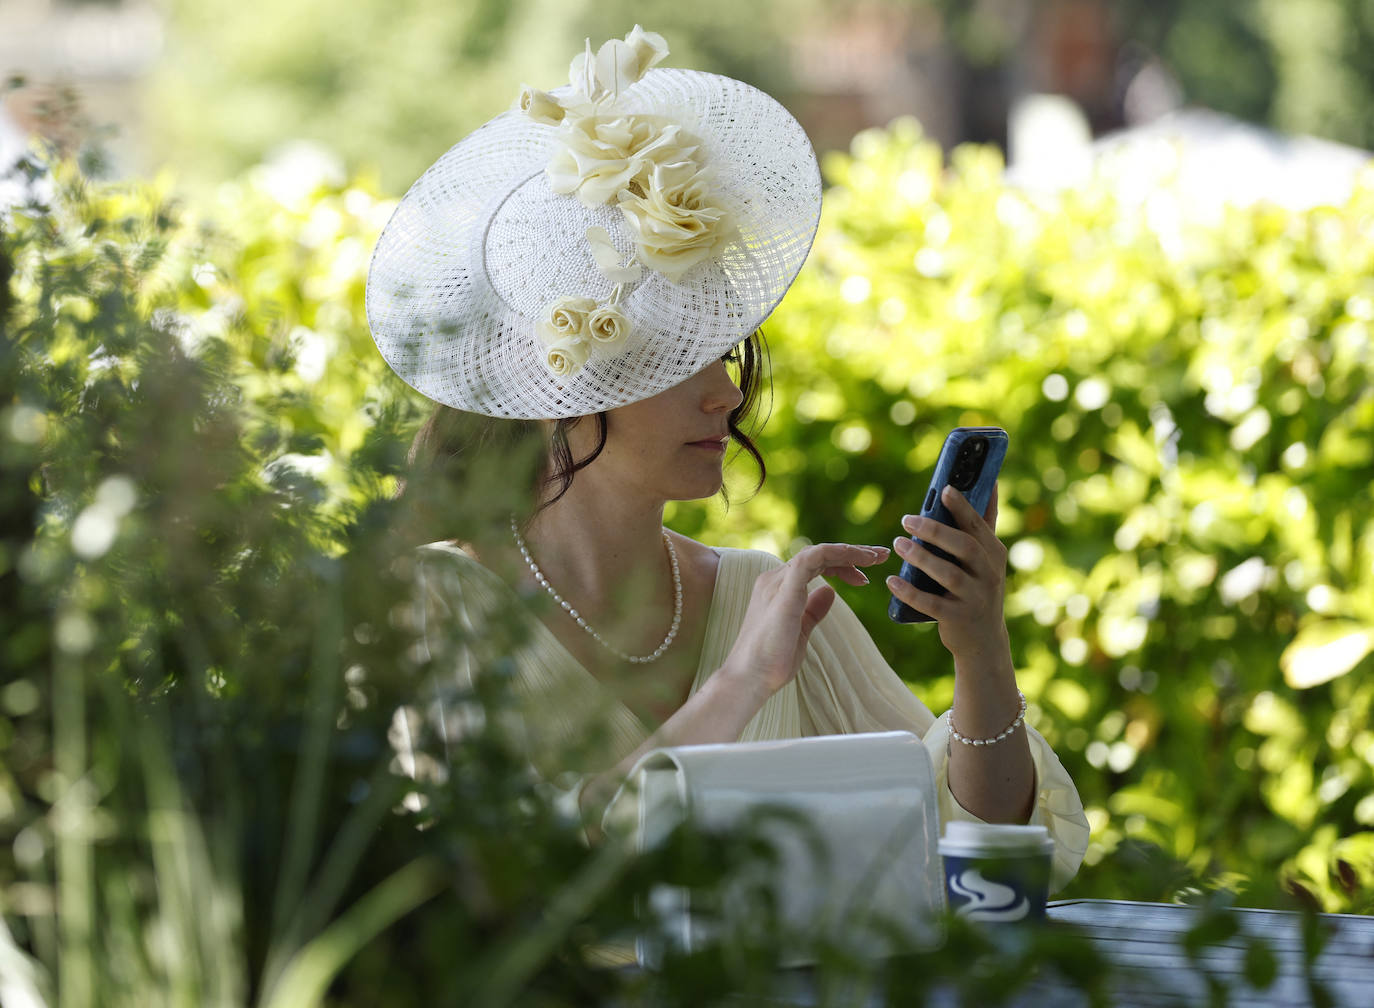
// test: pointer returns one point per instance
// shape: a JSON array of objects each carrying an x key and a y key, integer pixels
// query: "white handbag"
[{"x": 861, "y": 866}]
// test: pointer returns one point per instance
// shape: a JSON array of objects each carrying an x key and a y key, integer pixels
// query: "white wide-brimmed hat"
[{"x": 595, "y": 245}]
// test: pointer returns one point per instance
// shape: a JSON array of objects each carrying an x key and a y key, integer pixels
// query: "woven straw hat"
[{"x": 595, "y": 245}]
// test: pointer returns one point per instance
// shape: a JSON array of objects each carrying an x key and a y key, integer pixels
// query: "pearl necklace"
[{"x": 577, "y": 617}]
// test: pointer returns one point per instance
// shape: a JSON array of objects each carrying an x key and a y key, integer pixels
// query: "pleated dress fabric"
[{"x": 572, "y": 725}]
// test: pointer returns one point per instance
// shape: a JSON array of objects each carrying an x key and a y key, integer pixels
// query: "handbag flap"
[{"x": 853, "y": 822}]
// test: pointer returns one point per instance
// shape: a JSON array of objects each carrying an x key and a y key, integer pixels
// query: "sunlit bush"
[{"x": 1186, "y": 498}]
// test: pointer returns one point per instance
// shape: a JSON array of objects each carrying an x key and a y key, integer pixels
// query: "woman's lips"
[{"x": 710, "y": 444}]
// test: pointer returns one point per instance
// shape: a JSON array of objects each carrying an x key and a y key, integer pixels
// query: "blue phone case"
[{"x": 978, "y": 495}]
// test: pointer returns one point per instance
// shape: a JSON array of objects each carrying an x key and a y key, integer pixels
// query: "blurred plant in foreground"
[{"x": 204, "y": 654}]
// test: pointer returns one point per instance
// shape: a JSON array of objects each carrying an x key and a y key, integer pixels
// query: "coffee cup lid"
[{"x": 977, "y": 838}]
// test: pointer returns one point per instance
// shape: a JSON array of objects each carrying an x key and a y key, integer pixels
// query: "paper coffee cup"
[{"x": 995, "y": 872}]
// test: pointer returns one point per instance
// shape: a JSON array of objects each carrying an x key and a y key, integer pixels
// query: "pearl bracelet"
[{"x": 1020, "y": 720}]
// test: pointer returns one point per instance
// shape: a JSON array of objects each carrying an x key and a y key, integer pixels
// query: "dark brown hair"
[{"x": 451, "y": 439}]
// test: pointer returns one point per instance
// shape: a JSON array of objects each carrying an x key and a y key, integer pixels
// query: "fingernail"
[
  {"x": 892, "y": 580},
  {"x": 864, "y": 576}
]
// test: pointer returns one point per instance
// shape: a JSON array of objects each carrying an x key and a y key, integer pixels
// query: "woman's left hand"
[{"x": 971, "y": 621}]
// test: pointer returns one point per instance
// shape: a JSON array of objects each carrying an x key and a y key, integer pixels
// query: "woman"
[{"x": 592, "y": 267}]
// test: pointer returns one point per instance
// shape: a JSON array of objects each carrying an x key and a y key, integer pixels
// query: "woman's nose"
[{"x": 721, "y": 394}]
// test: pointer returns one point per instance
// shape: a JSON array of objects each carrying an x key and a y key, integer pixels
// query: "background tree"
[{"x": 390, "y": 88}]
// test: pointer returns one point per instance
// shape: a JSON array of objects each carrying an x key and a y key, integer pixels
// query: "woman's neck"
[{"x": 593, "y": 544}]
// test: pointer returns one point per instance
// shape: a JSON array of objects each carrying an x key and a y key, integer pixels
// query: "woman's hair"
[{"x": 454, "y": 440}]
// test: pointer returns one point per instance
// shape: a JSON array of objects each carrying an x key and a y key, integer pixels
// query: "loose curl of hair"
[{"x": 449, "y": 438}]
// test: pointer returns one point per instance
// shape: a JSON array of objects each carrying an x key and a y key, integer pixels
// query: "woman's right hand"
[{"x": 783, "y": 611}]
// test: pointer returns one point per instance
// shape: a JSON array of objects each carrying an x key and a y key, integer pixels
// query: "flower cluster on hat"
[
  {"x": 647, "y": 165},
  {"x": 574, "y": 329}
]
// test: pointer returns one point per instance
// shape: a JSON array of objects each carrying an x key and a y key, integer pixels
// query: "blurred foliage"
[
  {"x": 1301, "y": 67},
  {"x": 1186, "y": 497},
  {"x": 1298, "y": 67},
  {"x": 391, "y": 88},
  {"x": 388, "y": 87}
]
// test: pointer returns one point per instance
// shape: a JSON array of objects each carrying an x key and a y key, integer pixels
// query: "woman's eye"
[{"x": 731, "y": 357}]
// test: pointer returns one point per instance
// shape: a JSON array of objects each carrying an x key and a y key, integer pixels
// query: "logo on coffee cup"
[{"x": 987, "y": 900}]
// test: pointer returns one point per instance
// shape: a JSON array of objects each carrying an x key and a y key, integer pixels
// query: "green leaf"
[
  {"x": 1324, "y": 651},
  {"x": 1261, "y": 965}
]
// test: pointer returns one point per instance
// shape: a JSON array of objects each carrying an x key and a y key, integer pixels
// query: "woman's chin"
[{"x": 698, "y": 490}]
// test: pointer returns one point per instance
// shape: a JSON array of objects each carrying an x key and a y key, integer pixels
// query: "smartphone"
[{"x": 969, "y": 461}]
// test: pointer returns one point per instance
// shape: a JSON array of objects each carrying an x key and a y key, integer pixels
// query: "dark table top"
[
  {"x": 1148, "y": 941},
  {"x": 1321, "y": 960}
]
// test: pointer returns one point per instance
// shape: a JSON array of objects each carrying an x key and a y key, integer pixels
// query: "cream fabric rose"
[
  {"x": 565, "y": 320},
  {"x": 576, "y": 327},
  {"x": 601, "y": 155},
  {"x": 646, "y": 164},
  {"x": 540, "y": 106},
  {"x": 566, "y": 357},
  {"x": 677, "y": 222},
  {"x": 608, "y": 329}
]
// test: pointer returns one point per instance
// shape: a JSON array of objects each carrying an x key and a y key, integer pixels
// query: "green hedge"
[{"x": 1186, "y": 498}]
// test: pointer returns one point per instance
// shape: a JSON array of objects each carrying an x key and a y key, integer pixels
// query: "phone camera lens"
[{"x": 969, "y": 463}]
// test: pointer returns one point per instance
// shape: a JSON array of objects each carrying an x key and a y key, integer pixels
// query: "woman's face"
[{"x": 670, "y": 446}]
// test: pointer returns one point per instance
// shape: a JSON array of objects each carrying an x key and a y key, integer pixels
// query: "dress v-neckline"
[{"x": 713, "y": 617}]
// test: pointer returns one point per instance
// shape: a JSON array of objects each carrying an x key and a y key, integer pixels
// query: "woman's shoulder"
[
  {"x": 448, "y": 553},
  {"x": 445, "y": 549},
  {"x": 746, "y": 562},
  {"x": 447, "y": 566}
]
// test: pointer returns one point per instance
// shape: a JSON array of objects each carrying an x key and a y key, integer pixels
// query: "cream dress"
[{"x": 843, "y": 686}]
